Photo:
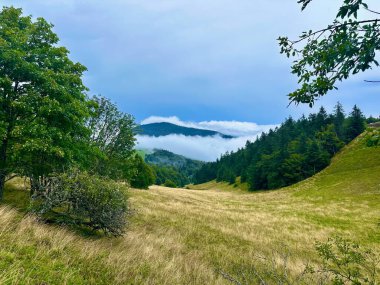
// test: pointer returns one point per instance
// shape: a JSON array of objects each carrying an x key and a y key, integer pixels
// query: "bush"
[
  {"x": 85, "y": 200},
  {"x": 170, "y": 184},
  {"x": 372, "y": 137}
]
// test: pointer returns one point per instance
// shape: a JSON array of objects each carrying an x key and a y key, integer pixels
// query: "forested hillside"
[
  {"x": 171, "y": 168},
  {"x": 290, "y": 153}
]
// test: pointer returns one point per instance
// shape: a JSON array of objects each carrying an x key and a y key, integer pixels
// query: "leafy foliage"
[
  {"x": 43, "y": 102},
  {"x": 294, "y": 151},
  {"x": 164, "y": 173},
  {"x": 112, "y": 132},
  {"x": 85, "y": 200},
  {"x": 373, "y": 137},
  {"x": 345, "y": 262},
  {"x": 344, "y": 48},
  {"x": 143, "y": 175},
  {"x": 169, "y": 183}
]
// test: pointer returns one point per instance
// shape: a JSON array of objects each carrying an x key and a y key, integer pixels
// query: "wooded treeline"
[{"x": 290, "y": 153}]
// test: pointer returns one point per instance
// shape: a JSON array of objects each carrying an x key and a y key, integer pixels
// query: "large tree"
[
  {"x": 43, "y": 104},
  {"x": 112, "y": 132},
  {"x": 329, "y": 55}
]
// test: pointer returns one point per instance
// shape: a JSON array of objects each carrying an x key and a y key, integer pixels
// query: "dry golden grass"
[{"x": 180, "y": 236}]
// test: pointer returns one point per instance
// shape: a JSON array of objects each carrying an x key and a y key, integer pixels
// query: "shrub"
[
  {"x": 85, "y": 200},
  {"x": 372, "y": 137},
  {"x": 345, "y": 262},
  {"x": 169, "y": 183}
]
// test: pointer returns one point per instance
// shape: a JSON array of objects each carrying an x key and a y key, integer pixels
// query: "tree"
[
  {"x": 338, "y": 120},
  {"x": 42, "y": 98},
  {"x": 113, "y": 133},
  {"x": 356, "y": 124},
  {"x": 143, "y": 174},
  {"x": 329, "y": 140},
  {"x": 324, "y": 57}
]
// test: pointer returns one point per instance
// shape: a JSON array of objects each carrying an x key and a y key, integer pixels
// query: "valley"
[{"x": 181, "y": 236}]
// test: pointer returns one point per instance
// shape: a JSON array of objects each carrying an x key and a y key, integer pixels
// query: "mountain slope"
[
  {"x": 174, "y": 167},
  {"x": 164, "y": 129},
  {"x": 182, "y": 236}
]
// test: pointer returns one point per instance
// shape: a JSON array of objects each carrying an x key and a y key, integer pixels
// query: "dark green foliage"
[
  {"x": 373, "y": 137},
  {"x": 172, "y": 166},
  {"x": 143, "y": 175},
  {"x": 84, "y": 200},
  {"x": 164, "y": 173},
  {"x": 345, "y": 47},
  {"x": 339, "y": 118},
  {"x": 164, "y": 129},
  {"x": 355, "y": 124},
  {"x": 169, "y": 183},
  {"x": 372, "y": 120},
  {"x": 42, "y": 103},
  {"x": 292, "y": 152}
]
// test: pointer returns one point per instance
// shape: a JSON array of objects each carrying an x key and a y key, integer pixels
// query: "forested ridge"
[
  {"x": 290, "y": 153},
  {"x": 172, "y": 169}
]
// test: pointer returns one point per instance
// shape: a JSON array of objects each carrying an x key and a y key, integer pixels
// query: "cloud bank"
[
  {"x": 233, "y": 128},
  {"x": 202, "y": 148}
]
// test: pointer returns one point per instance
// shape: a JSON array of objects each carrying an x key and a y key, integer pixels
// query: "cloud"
[
  {"x": 233, "y": 128},
  {"x": 203, "y": 148},
  {"x": 200, "y": 148}
]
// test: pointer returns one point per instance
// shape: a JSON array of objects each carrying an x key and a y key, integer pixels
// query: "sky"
[
  {"x": 212, "y": 64},
  {"x": 214, "y": 60}
]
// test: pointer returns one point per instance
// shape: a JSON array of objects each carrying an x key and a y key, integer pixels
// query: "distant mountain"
[{"x": 164, "y": 129}]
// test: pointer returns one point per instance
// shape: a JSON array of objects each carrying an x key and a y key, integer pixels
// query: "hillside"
[
  {"x": 165, "y": 129},
  {"x": 182, "y": 236},
  {"x": 167, "y": 158},
  {"x": 170, "y": 166}
]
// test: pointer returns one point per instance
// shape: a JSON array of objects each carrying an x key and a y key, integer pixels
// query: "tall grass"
[{"x": 180, "y": 236}]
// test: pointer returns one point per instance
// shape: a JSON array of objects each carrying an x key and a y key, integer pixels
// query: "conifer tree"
[
  {"x": 356, "y": 124},
  {"x": 338, "y": 118}
]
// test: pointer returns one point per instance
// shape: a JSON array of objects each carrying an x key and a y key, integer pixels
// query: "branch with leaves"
[{"x": 325, "y": 57}]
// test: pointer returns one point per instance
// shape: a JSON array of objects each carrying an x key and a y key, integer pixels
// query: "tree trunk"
[{"x": 3, "y": 166}]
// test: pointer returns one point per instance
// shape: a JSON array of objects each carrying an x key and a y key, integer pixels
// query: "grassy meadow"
[{"x": 188, "y": 236}]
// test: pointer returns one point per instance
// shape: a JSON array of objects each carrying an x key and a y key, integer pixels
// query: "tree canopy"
[
  {"x": 42, "y": 98},
  {"x": 288, "y": 154},
  {"x": 332, "y": 54}
]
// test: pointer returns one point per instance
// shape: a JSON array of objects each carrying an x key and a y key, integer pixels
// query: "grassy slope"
[{"x": 184, "y": 236}]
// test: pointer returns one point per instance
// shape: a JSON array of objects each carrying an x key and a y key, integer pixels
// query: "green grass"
[{"x": 180, "y": 236}]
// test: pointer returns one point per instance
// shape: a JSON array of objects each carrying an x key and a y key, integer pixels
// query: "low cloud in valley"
[{"x": 203, "y": 148}]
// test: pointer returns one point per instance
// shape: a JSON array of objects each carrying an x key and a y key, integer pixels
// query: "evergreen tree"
[
  {"x": 338, "y": 119},
  {"x": 329, "y": 139},
  {"x": 356, "y": 124}
]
